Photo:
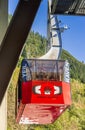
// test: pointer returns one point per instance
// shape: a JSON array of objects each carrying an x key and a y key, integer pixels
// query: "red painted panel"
[
  {"x": 26, "y": 92},
  {"x": 47, "y": 99},
  {"x": 40, "y": 114},
  {"x": 42, "y": 108},
  {"x": 66, "y": 93},
  {"x": 28, "y": 96}
]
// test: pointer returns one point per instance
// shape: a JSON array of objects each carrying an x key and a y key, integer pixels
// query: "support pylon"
[{"x": 3, "y": 27}]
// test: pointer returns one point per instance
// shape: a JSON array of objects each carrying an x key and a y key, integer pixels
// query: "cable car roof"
[{"x": 71, "y": 7}]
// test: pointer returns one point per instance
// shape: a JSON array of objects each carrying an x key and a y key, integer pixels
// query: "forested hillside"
[
  {"x": 74, "y": 117},
  {"x": 77, "y": 68}
]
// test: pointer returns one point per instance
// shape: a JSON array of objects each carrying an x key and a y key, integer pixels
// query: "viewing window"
[{"x": 37, "y": 69}]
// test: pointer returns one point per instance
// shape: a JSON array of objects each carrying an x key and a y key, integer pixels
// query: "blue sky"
[{"x": 73, "y": 40}]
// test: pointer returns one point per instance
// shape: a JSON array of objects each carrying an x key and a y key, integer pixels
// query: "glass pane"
[
  {"x": 44, "y": 70},
  {"x": 60, "y": 65},
  {"x": 37, "y": 69}
]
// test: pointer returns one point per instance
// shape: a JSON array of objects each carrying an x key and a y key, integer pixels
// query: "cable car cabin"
[{"x": 43, "y": 91}]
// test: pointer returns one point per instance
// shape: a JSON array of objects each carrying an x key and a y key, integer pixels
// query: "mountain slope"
[{"x": 77, "y": 68}]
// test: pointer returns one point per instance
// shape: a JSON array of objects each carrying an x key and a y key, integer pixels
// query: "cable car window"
[
  {"x": 60, "y": 70},
  {"x": 45, "y": 70},
  {"x": 36, "y": 69}
]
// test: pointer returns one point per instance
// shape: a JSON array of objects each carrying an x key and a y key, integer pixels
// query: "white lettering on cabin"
[
  {"x": 24, "y": 71},
  {"x": 66, "y": 72},
  {"x": 25, "y": 120}
]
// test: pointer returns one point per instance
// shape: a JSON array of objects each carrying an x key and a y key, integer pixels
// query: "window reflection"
[{"x": 44, "y": 69}]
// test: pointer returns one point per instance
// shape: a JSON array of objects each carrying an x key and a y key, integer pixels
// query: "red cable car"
[{"x": 43, "y": 91}]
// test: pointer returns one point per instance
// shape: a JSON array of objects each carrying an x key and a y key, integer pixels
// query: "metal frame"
[
  {"x": 14, "y": 40},
  {"x": 70, "y": 7}
]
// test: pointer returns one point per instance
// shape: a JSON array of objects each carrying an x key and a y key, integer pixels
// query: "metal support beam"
[
  {"x": 14, "y": 40},
  {"x": 3, "y": 18},
  {"x": 3, "y": 27},
  {"x": 68, "y": 7},
  {"x": 77, "y": 6}
]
